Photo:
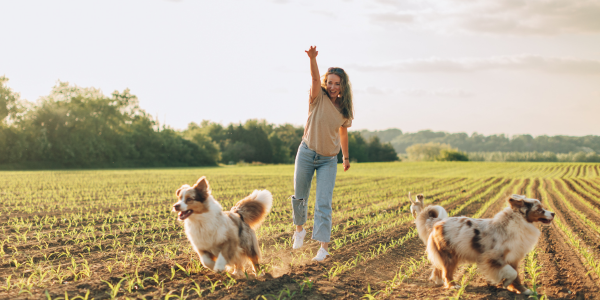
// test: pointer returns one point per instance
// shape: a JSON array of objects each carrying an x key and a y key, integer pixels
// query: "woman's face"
[{"x": 333, "y": 85}]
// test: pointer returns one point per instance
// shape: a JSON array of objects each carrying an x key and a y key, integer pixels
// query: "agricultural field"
[{"x": 111, "y": 234}]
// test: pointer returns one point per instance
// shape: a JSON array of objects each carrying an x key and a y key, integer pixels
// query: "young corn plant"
[
  {"x": 213, "y": 285},
  {"x": 8, "y": 284},
  {"x": 467, "y": 277},
  {"x": 306, "y": 284},
  {"x": 114, "y": 288},
  {"x": 406, "y": 271},
  {"x": 197, "y": 289},
  {"x": 370, "y": 295},
  {"x": 533, "y": 268}
]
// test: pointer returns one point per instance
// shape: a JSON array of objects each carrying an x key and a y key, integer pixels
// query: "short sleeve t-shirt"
[{"x": 321, "y": 133}]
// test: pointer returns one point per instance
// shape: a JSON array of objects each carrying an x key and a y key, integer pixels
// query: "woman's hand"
[
  {"x": 346, "y": 165},
  {"x": 312, "y": 52}
]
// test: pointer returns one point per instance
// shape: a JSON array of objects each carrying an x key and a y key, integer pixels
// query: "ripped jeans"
[{"x": 307, "y": 161}]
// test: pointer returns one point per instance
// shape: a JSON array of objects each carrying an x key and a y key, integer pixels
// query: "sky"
[{"x": 486, "y": 66}]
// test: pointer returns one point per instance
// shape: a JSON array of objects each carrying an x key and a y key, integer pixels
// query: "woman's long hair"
[{"x": 345, "y": 93}]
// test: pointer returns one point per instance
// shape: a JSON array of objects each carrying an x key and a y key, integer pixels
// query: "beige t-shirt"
[{"x": 321, "y": 133}]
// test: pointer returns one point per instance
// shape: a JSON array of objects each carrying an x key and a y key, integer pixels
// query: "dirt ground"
[{"x": 294, "y": 276}]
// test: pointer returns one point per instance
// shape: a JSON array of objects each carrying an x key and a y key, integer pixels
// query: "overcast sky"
[{"x": 492, "y": 66}]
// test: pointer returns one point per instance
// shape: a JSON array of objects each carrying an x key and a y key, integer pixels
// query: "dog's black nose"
[
  {"x": 176, "y": 207},
  {"x": 552, "y": 214}
]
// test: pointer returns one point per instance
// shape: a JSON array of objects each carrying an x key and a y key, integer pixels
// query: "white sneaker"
[
  {"x": 321, "y": 255},
  {"x": 299, "y": 238}
]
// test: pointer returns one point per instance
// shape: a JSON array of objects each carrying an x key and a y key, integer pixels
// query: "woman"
[{"x": 330, "y": 113}]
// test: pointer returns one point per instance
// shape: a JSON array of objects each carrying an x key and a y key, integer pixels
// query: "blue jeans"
[{"x": 307, "y": 161}]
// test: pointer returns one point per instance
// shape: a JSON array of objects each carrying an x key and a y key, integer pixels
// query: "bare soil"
[{"x": 563, "y": 277}]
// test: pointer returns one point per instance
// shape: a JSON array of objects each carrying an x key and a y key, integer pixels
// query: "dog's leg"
[
  {"x": 220, "y": 264},
  {"x": 448, "y": 274},
  {"x": 516, "y": 286},
  {"x": 436, "y": 276},
  {"x": 507, "y": 275},
  {"x": 207, "y": 259},
  {"x": 255, "y": 265},
  {"x": 237, "y": 270},
  {"x": 226, "y": 255}
]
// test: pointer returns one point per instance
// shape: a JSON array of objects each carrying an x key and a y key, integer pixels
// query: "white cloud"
[
  {"x": 373, "y": 91},
  {"x": 514, "y": 62},
  {"x": 414, "y": 92},
  {"x": 279, "y": 90},
  {"x": 512, "y": 17},
  {"x": 395, "y": 18},
  {"x": 446, "y": 93},
  {"x": 324, "y": 13}
]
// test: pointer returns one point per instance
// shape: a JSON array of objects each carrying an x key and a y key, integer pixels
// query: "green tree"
[
  {"x": 10, "y": 103},
  {"x": 357, "y": 148},
  {"x": 452, "y": 155},
  {"x": 81, "y": 127},
  {"x": 290, "y": 136},
  {"x": 380, "y": 152},
  {"x": 281, "y": 153},
  {"x": 201, "y": 137},
  {"x": 426, "y": 152}
]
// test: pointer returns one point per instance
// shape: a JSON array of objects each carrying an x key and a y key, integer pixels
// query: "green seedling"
[
  {"x": 229, "y": 282},
  {"x": 197, "y": 289},
  {"x": 186, "y": 272},
  {"x": 8, "y": 284},
  {"x": 370, "y": 295},
  {"x": 213, "y": 285},
  {"x": 114, "y": 289}
]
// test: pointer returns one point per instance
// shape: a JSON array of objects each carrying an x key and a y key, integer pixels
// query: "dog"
[
  {"x": 222, "y": 239},
  {"x": 425, "y": 217},
  {"x": 497, "y": 245}
]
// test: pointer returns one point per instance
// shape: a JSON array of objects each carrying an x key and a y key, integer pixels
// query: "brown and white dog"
[
  {"x": 425, "y": 217},
  {"x": 497, "y": 245},
  {"x": 222, "y": 238}
]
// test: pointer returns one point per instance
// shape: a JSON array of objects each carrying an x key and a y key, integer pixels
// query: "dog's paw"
[
  {"x": 527, "y": 292},
  {"x": 220, "y": 267},
  {"x": 219, "y": 270},
  {"x": 220, "y": 264},
  {"x": 452, "y": 287}
]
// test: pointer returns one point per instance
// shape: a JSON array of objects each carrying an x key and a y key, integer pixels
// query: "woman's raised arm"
[{"x": 315, "y": 88}]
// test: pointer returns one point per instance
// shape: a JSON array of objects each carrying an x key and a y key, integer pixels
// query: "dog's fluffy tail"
[
  {"x": 254, "y": 208},
  {"x": 433, "y": 247},
  {"x": 425, "y": 220}
]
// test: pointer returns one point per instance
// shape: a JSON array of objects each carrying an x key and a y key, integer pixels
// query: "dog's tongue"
[{"x": 180, "y": 213}]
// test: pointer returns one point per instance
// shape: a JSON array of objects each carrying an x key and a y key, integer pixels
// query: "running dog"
[
  {"x": 425, "y": 217},
  {"x": 222, "y": 238},
  {"x": 497, "y": 245}
]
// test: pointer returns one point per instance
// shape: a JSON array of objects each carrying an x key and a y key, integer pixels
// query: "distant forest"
[
  {"x": 75, "y": 127},
  {"x": 491, "y": 143}
]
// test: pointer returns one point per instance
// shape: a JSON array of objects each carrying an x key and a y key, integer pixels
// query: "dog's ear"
[
  {"x": 420, "y": 197},
  {"x": 178, "y": 192},
  {"x": 516, "y": 201},
  {"x": 411, "y": 200},
  {"x": 202, "y": 187}
]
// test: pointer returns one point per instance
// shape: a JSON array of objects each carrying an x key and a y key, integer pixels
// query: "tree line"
[
  {"x": 444, "y": 152},
  {"x": 490, "y": 143},
  {"x": 76, "y": 127}
]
